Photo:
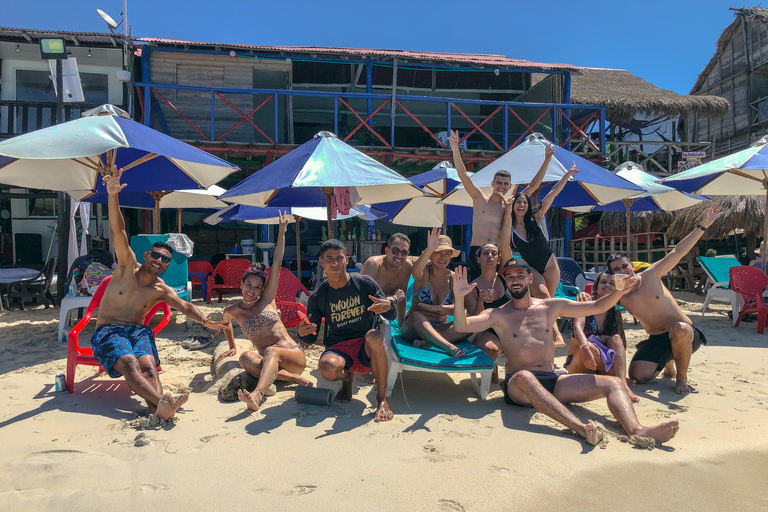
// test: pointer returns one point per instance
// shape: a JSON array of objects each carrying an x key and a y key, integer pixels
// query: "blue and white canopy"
[
  {"x": 656, "y": 196},
  {"x": 176, "y": 199},
  {"x": 593, "y": 185},
  {"x": 70, "y": 157},
  {"x": 428, "y": 211},
  {"x": 298, "y": 178},
  {"x": 271, "y": 214}
]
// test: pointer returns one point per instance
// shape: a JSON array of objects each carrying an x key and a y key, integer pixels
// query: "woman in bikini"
[
  {"x": 491, "y": 292},
  {"x": 277, "y": 355},
  {"x": 598, "y": 344},
  {"x": 433, "y": 302}
]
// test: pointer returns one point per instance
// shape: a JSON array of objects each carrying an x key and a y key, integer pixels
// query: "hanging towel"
[{"x": 343, "y": 204}]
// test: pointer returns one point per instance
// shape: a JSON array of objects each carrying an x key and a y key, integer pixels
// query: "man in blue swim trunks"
[
  {"x": 523, "y": 325},
  {"x": 121, "y": 343}
]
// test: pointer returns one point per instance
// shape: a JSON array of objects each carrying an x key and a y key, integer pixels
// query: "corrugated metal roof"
[
  {"x": 462, "y": 58},
  {"x": 31, "y": 35}
]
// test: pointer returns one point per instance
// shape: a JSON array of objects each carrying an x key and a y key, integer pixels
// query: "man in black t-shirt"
[{"x": 349, "y": 304}]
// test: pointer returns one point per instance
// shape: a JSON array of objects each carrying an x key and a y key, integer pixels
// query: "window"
[
  {"x": 36, "y": 85},
  {"x": 42, "y": 207}
]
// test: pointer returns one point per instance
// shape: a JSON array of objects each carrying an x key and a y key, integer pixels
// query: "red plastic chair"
[
  {"x": 289, "y": 312},
  {"x": 196, "y": 269},
  {"x": 288, "y": 287},
  {"x": 84, "y": 355},
  {"x": 231, "y": 271},
  {"x": 750, "y": 283}
]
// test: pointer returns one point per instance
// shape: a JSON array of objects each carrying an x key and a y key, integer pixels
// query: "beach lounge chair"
[
  {"x": 750, "y": 282},
  {"x": 717, "y": 269},
  {"x": 404, "y": 356},
  {"x": 37, "y": 288},
  {"x": 231, "y": 272},
  {"x": 77, "y": 354}
]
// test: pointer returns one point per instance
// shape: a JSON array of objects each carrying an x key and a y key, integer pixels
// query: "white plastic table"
[
  {"x": 67, "y": 305},
  {"x": 11, "y": 275}
]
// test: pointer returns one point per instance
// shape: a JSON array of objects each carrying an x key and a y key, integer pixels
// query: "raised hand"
[
  {"x": 573, "y": 169},
  {"x": 379, "y": 305},
  {"x": 453, "y": 140},
  {"x": 284, "y": 220},
  {"x": 549, "y": 150},
  {"x": 509, "y": 202},
  {"x": 433, "y": 239},
  {"x": 460, "y": 285},
  {"x": 711, "y": 214},
  {"x": 629, "y": 283},
  {"x": 112, "y": 181}
]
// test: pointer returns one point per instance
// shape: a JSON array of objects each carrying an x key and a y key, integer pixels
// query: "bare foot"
[
  {"x": 592, "y": 434},
  {"x": 345, "y": 391},
  {"x": 454, "y": 351},
  {"x": 252, "y": 400},
  {"x": 631, "y": 382},
  {"x": 681, "y": 387},
  {"x": 383, "y": 412},
  {"x": 669, "y": 370},
  {"x": 661, "y": 433},
  {"x": 633, "y": 396},
  {"x": 168, "y": 405}
]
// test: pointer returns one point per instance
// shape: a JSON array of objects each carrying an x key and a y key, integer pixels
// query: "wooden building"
[{"x": 737, "y": 72}]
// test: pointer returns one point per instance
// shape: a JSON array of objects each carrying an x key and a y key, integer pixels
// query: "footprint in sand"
[
  {"x": 151, "y": 487},
  {"x": 450, "y": 505},
  {"x": 301, "y": 490}
]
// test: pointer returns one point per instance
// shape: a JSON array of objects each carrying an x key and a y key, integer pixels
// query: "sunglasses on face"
[
  {"x": 162, "y": 257},
  {"x": 399, "y": 252}
]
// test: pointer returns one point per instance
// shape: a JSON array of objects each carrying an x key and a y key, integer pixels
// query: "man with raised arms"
[
  {"x": 350, "y": 304},
  {"x": 523, "y": 326},
  {"x": 672, "y": 337},
  {"x": 392, "y": 270},
  {"x": 121, "y": 343},
  {"x": 488, "y": 210}
]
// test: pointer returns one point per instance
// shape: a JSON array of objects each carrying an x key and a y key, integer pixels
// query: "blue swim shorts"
[{"x": 111, "y": 342}]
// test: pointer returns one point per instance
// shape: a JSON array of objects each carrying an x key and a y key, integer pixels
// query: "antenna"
[{"x": 111, "y": 23}]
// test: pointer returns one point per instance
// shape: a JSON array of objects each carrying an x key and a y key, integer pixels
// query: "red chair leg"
[{"x": 69, "y": 379}]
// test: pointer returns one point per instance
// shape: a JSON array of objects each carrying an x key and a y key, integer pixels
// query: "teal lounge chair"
[
  {"x": 404, "y": 356},
  {"x": 176, "y": 275},
  {"x": 717, "y": 268}
]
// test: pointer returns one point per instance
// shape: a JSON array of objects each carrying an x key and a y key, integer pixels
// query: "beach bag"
[{"x": 94, "y": 275}]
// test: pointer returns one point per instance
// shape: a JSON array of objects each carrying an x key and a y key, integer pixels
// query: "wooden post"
[
  {"x": 298, "y": 246},
  {"x": 328, "y": 191},
  {"x": 179, "y": 220}
]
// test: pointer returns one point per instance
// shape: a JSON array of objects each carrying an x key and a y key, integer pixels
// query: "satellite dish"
[{"x": 106, "y": 17}]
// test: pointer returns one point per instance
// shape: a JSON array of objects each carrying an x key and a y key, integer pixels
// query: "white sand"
[{"x": 448, "y": 451}]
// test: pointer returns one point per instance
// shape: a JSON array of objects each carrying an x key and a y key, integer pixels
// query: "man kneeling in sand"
[
  {"x": 523, "y": 326},
  {"x": 121, "y": 343},
  {"x": 672, "y": 337},
  {"x": 350, "y": 304}
]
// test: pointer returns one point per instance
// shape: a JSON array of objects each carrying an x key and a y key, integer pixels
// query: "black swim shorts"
[
  {"x": 658, "y": 348},
  {"x": 547, "y": 379}
]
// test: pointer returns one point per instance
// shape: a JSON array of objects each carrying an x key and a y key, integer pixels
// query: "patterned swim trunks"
[{"x": 111, "y": 342}]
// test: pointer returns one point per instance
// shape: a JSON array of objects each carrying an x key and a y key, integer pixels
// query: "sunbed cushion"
[{"x": 431, "y": 357}]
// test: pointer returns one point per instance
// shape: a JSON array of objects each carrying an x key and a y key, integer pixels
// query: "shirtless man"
[
  {"x": 392, "y": 270},
  {"x": 523, "y": 325},
  {"x": 488, "y": 211},
  {"x": 121, "y": 343},
  {"x": 672, "y": 338}
]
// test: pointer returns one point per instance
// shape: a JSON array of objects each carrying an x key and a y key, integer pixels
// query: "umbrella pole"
[
  {"x": 628, "y": 204},
  {"x": 179, "y": 220},
  {"x": 445, "y": 208},
  {"x": 298, "y": 246},
  {"x": 764, "y": 245},
  {"x": 157, "y": 216},
  {"x": 328, "y": 191}
]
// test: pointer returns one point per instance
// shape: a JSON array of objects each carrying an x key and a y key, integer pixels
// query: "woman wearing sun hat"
[{"x": 427, "y": 320}]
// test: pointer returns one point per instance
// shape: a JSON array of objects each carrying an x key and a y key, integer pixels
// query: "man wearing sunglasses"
[
  {"x": 121, "y": 343},
  {"x": 392, "y": 270}
]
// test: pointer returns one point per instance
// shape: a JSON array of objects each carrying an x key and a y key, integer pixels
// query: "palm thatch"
[
  {"x": 615, "y": 223},
  {"x": 626, "y": 96},
  {"x": 739, "y": 212}
]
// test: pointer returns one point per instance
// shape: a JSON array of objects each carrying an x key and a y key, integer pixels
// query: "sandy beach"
[{"x": 445, "y": 450}]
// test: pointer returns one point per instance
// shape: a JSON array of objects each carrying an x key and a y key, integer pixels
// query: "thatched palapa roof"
[
  {"x": 615, "y": 223},
  {"x": 739, "y": 212},
  {"x": 625, "y": 96}
]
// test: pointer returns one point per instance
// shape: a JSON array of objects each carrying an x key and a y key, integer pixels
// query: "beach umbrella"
[
  {"x": 656, "y": 196},
  {"x": 593, "y": 185},
  {"x": 427, "y": 211},
  {"x": 166, "y": 200},
  {"x": 72, "y": 156},
  {"x": 271, "y": 215},
  {"x": 312, "y": 173},
  {"x": 744, "y": 173}
]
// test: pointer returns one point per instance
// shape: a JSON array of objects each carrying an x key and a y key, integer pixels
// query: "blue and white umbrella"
[
  {"x": 744, "y": 173},
  {"x": 72, "y": 156},
  {"x": 427, "y": 211},
  {"x": 593, "y": 185}
]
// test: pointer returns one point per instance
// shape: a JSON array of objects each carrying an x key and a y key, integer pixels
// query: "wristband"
[
  {"x": 701, "y": 227},
  {"x": 393, "y": 303}
]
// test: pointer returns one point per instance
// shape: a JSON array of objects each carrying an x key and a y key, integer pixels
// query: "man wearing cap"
[
  {"x": 488, "y": 210},
  {"x": 523, "y": 326},
  {"x": 672, "y": 338},
  {"x": 392, "y": 270}
]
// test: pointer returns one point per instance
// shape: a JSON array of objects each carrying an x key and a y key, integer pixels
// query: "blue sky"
[{"x": 667, "y": 43}]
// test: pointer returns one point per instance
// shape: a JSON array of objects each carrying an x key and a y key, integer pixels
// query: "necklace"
[{"x": 249, "y": 302}]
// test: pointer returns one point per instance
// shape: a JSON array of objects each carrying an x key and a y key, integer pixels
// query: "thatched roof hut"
[
  {"x": 739, "y": 212},
  {"x": 615, "y": 223},
  {"x": 626, "y": 96}
]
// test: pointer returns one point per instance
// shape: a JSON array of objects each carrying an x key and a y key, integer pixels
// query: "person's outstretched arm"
[
  {"x": 669, "y": 261},
  {"x": 229, "y": 333},
  {"x": 125, "y": 256},
  {"x": 433, "y": 242},
  {"x": 535, "y": 183},
  {"x": 270, "y": 290},
  {"x": 547, "y": 201},
  {"x": 505, "y": 236},
  {"x": 574, "y": 309},
  {"x": 190, "y": 310},
  {"x": 472, "y": 189}
]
